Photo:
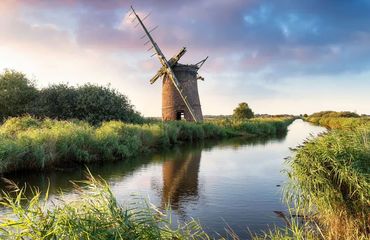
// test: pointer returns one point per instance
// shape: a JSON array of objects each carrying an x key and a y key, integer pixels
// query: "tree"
[
  {"x": 16, "y": 94},
  {"x": 97, "y": 103},
  {"x": 56, "y": 101},
  {"x": 243, "y": 111},
  {"x": 88, "y": 102}
]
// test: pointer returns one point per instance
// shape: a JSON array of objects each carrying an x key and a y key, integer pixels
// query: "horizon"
[{"x": 283, "y": 57}]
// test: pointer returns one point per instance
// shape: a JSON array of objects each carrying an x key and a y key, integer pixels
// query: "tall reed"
[
  {"x": 329, "y": 184},
  {"x": 94, "y": 214}
]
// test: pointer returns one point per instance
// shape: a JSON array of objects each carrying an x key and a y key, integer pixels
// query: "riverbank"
[
  {"x": 342, "y": 123},
  {"x": 330, "y": 182},
  {"x": 27, "y": 143}
]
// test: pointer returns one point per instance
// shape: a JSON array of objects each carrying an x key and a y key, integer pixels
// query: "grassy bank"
[
  {"x": 29, "y": 143},
  {"x": 349, "y": 123},
  {"x": 330, "y": 182}
]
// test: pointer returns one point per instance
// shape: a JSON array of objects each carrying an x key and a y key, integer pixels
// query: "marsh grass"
[
  {"x": 330, "y": 183},
  {"x": 27, "y": 143},
  {"x": 95, "y": 214},
  {"x": 350, "y": 123},
  {"x": 330, "y": 179}
]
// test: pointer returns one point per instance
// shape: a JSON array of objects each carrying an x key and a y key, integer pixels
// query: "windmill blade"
[
  {"x": 142, "y": 19},
  {"x": 158, "y": 51},
  {"x": 173, "y": 61},
  {"x": 151, "y": 30},
  {"x": 177, "y": 57},
  {"x": 200, "y": 63},
  {"x": 159, "y": 74}
]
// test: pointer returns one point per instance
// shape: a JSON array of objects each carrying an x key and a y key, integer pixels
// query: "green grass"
[
  {"x": 94, "y": 214},
  {"x": 331, "y": 177},
  {"x": 330, "y": 182},
  {"x": 27, "y": 143}
]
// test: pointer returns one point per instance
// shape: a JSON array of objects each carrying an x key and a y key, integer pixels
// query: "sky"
[{"x": 279, "y": 56}]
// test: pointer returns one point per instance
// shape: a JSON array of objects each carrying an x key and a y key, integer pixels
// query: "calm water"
[{"x": 234, "y": 182}]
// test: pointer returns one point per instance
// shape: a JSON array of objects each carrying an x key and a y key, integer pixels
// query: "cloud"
[{"x": 253, "y": 45}]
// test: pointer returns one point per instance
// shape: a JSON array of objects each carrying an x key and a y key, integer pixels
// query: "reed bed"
[
  {"x": 27, "y": 143},
  {"x": 95, "y": 214},
  {"x": 340, "y": 122},
  {"x": 329, "y": 183}
]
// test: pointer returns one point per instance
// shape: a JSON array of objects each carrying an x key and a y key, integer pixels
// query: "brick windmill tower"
[{"x": 180, "y": 97}]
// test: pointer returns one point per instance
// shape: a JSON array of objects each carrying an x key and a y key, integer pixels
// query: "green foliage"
[
  {"x": 330, "y": 182},
  {"x": 243, "y": 111},
  {"x": 93, "y": 214},
  {"x": 330, "y": 177},
  {"x": 88, "y": 102},
  {"x": 335, "y": 114},
  {"x": 29, "y": 143},
  {"x": 95, "y": 104},
  {"x": 340, "y": 122},
  {"x": 56, "y": 101},
  {"x": 256, "y": 127},
  {"x": 16, "y": 93}
]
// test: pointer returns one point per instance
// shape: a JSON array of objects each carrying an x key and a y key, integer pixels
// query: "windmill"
[{"x": 180, "y": 97}]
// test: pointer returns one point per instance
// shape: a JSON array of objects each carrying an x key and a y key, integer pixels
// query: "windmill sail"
[{"x": 165, "y": 63}]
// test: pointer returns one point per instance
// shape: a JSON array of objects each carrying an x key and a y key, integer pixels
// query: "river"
[{"x": 235, "y": 182}]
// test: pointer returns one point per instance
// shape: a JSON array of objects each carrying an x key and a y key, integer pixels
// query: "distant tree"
[
  {"x": 16, "y": 94},
  {"x": 305, "y": 115},
  {"x": 243, "y": 111}
]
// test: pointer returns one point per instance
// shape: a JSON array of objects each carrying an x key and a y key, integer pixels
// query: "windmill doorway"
[{"x": 180, "y": 115}]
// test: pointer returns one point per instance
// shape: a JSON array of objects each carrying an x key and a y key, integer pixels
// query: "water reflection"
[
  {"x": 173, "y": 160},
  {"x": 180, "y": 178}
]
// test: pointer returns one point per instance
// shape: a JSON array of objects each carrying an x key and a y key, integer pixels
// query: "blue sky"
[{"x": 279, "y": 56}]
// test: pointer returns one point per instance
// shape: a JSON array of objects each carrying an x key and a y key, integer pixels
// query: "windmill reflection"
[{"x": 180, "y": 178}]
